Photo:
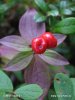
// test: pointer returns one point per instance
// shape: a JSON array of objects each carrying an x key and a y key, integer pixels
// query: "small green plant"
[{"x": 25, "y": 92}]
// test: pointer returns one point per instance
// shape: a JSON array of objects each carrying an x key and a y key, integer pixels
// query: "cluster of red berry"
[{"x": 45, "y": 41}]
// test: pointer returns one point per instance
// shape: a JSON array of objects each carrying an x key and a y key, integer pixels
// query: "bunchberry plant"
[
  {"x": 35, "y": 50},
  {"x": 29, "y": 29}
]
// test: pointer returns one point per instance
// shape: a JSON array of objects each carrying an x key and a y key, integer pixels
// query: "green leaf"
[
  {"x": 39, "y": 17},
  {"x": 9, "y": 97},
  {"x": 3, "y": 8},
  {"x": 64, "y": 4},
  {"x": 63, "y": 87},
  {"x": 66, "y": 11},
  {"x": 42, "y": 5},
  {"x": 53, "y": 13},
  {"x": 4, "y": 97},
  {"x": 73, "y": 82},
  {"x": 5, "y": 83},
  {"x": 29, "y": 92},
  {"x": 73, "y": 8},
  {"x": 19, "y": 62},
  {"x": 66, "y": 26}
]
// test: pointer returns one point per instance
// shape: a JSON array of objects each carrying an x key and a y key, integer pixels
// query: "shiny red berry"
[
  {"x": 39, "y": 45},
  {"x": 50, "y": 39}
]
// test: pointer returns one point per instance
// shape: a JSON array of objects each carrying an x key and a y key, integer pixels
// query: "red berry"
[
  {"x": 50, "y": 40},
  {"x": 39, "y": 45}
]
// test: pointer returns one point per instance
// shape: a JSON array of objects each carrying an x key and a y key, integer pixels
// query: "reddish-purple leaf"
[
  {"x": 60, "y": 38},
  {"x": 28, "y": 27},
  {"x": 53, "y": 58},
  {"x": 19, "y": 62},
  {"x": 15, "y": 42},
  {"x": 38, "y": 73},
  {"x": 7, "y": 52}
]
